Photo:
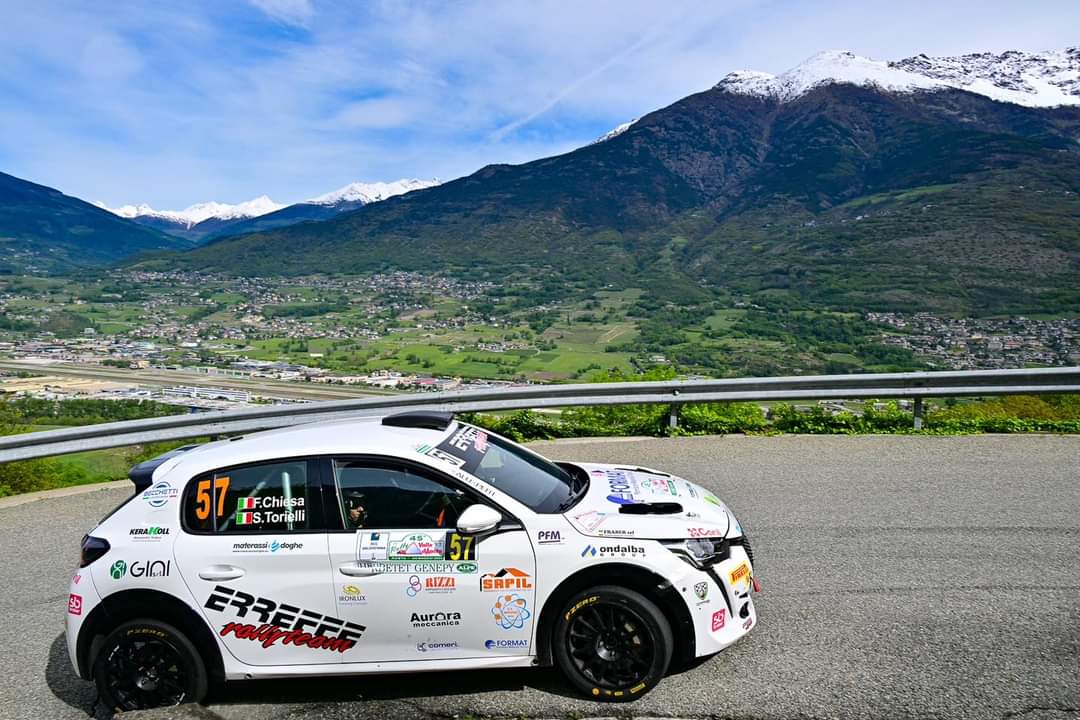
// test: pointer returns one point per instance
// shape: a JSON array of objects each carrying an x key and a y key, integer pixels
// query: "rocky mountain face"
[
  {"x": 42, "y": 229},
  {"x": 845, "y": 182}
]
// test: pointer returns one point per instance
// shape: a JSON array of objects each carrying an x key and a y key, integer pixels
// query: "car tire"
[
  {"x": 145, "y": 664},
  {"x": 612, "y": 643}
]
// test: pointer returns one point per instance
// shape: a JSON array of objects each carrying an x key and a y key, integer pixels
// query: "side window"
[
  {"x": 269, "y": 497},
  {"x": 386, "y": 496}
]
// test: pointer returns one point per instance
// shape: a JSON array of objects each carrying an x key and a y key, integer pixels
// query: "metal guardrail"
[{"x": 915, "y": 386}]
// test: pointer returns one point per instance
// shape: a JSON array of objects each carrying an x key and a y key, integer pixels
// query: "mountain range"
[
  {"x": 934, "y": 183},
  {"x": 208, "y": 220}
]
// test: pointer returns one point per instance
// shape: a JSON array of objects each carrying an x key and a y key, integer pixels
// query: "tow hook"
[{"x": 755, "y": 584}]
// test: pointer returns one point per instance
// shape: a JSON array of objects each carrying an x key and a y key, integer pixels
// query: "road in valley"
[{"x": 902, "y": 577}]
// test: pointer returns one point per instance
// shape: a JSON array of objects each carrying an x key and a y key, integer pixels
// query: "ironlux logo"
[{"x": 281, "y": 622}]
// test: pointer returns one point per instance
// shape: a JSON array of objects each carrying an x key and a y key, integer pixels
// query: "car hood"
[{"x": 614, "y": 486}]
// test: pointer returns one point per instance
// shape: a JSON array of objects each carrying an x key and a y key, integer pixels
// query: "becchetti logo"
[{"x": 506, "y": 579}]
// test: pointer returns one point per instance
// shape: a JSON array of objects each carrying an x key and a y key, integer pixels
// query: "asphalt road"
[{"x": 902, "y": 577}]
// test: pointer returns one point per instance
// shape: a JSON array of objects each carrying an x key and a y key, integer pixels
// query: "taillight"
[{"x": 92, "y": 549}]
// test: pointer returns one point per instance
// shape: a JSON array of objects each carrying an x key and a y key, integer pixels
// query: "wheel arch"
[
  {"x": 642, "y": 580},
  {"x": 152, "y": 605}
]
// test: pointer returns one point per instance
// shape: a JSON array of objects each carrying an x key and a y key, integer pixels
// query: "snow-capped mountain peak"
[
  {"x": 199, "y": 212},
  {"x": 371, "y": 192},
  {"x": 1033, "y": 79}
]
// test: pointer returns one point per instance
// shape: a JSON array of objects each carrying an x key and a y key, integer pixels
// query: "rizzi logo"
[{"x": 506, "y": 579}]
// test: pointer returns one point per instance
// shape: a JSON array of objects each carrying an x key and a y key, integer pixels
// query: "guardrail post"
[
  {"x": 673, "y": 415},
  {"x": 918, "y": 413}
]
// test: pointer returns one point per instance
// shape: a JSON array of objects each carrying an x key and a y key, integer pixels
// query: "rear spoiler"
[{"x": 142, "y": 475}]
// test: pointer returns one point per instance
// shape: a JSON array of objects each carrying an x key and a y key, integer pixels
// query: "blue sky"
[{"x": 176, "y": 103}]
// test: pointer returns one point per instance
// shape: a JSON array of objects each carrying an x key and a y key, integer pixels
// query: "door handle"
[
  {"x": 221, "y": 572},
  {"x": 358, "y": 570}
]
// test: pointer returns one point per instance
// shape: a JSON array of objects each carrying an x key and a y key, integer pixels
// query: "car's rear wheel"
[
  {"x": 612, "y": 643},
  {"x": 146, "y": 664}
]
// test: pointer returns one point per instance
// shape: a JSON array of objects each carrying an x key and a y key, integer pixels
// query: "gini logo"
[
  {"x": 589, "y": 550},
  {"x": 118, "y": 569}
]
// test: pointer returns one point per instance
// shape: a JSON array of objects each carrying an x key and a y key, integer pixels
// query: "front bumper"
[{"x": 720, "y": 601}]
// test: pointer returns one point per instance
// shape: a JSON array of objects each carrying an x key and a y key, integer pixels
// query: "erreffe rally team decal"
[{"x": 281, "y": 623}]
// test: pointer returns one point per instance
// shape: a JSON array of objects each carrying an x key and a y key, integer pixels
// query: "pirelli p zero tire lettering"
[
  {"x": 146, "y": 664},
  {"x": 613, "y": 644}
]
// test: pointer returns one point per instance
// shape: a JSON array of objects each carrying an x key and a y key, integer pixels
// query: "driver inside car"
[{"x": 354, "y": 506}]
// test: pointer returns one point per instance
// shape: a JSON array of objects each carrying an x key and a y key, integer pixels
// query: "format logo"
[
  {"x": 549, "y": 537},
  {"x": 621, "y": 485},
  {"x": 271, "y": 509},
  {"x": 506, "y": 644},
  {"x": 718, "y": 619},
  {"x": 435, "y": 619},
  {"x": 281, "y": 622},
  {"x": 159, "y": 494},
  {"x": 74, "y": 604},
  {"x": 435, "y": 646},
  {"x": 148, "y": 534},
  {"x": 506, "y": 579},
  {"x": 511, "y": 612}
]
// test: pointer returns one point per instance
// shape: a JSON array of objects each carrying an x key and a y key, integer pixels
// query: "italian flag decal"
[
  {"x": 245, "y": 503},
  {"x": 244, "y": 518}
]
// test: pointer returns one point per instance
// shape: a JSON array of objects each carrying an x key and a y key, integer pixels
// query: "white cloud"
[{"x": 290, "y": 12}]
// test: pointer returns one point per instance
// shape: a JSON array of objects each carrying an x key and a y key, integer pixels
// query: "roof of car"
[{"x": 352, "y": 436}]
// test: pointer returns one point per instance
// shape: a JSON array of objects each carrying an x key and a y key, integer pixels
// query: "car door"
[
  {"x": 425, "y": 591},
  {"x": 254, "y": 555}
]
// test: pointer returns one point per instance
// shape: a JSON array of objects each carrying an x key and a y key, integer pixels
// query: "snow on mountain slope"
[
  {"x": 1033, "y": 79},
  {"x": 616, "y": 131},
  {"x": 371, "y": 192},
  {"x": 196, "y": 214}
]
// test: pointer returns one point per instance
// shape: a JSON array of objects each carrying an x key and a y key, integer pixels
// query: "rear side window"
[{"x": 265, "y": 498}]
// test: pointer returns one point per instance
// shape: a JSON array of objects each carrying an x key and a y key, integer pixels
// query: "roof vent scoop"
[
  {"x": 142, "y": 475},
  {"x": 426, "y": 419}
]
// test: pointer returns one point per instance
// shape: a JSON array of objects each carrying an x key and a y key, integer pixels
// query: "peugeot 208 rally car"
[{"x": 411, "y": 543}]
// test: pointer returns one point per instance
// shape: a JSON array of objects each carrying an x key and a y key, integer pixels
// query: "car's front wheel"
[
  {"x": 612, "y": 643},
  {"x": 146, "y": 664}
]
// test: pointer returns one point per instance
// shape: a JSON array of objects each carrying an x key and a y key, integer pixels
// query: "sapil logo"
[
  {"x": 506, "y": 579},
  {"x": 549, "y": 537}
]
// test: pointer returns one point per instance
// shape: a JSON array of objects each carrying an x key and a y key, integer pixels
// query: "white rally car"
[{"x": 411, "y": 543}]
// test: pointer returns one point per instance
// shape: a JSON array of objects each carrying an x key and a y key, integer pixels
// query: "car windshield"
[{"x": 528, "y": 478}]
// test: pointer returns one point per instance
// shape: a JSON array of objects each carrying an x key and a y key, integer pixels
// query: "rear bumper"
[{"x": 720, "y": 602}]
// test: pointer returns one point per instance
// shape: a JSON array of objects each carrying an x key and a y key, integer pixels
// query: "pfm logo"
[
  {"x": 549, "y": 537},
  {"x": 506, "y": 579}
]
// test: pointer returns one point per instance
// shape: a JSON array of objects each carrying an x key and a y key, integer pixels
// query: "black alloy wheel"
[
  {"x": 147, "y": 664},
  {"x": 613, "y": 643}
]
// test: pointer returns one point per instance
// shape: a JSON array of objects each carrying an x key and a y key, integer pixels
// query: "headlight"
[{"x": 699, "y": 552}]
